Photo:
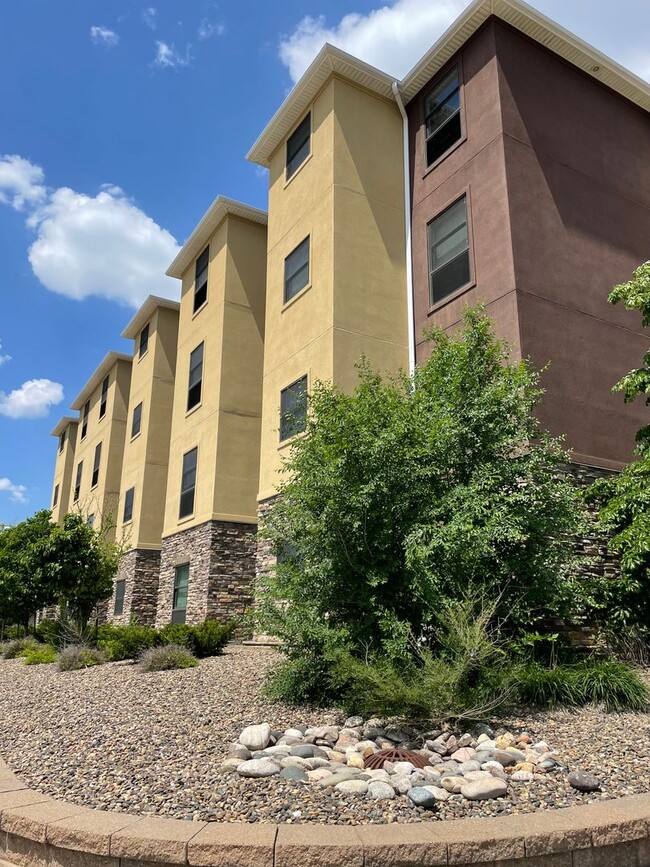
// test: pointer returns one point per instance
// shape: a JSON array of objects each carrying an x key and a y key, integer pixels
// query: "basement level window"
[
  {"x": 201, "y": 280},
  {"x": 144, "y": 341},
  {"x": 449, "y": 266},
  {"x": 96, "y": 463},
  {"x": 128, "y": 506},
  {"x": 296, "y": 270},
  {"x": 196, "y": 377},
  {"x": 104, "y": 398},
  {"x": 298, "y": 146},
  {"x": 293, "y": 409},
  {"x": 442, "y": 116},
  {"x": 137, "y": 421},
  {"x": 120, "y": 590},
  {"x": 179, "y": 601},
  {"x": 188, "y": 484}
]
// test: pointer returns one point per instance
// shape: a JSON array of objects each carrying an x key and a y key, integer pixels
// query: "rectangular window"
[
  {"x": 84, "y": 419},
  {"x": 201, "y": 279},
  {"x": 90, "y": 520},
  {"x": 62, "y": 441},
  {"x": 137, "y": 420},
  {"x": 96, "y": 463},
  {"x": 442, "y": 116},
  {"x": 196, "y": 377},
  {"x": 449, "y": 251},
  {"x": 298, "y": 146},
  {"x": 77, "y": 483},
  {"x": 55, "y": 500},
  {"x": 179, "y": 602},
  {"x": 188, "y": 484},
  {"x": 293, "y": 409},
  {"x": 104, "y": 398},
  {"x": 128, "y": 506},
  {"x": 120, "y": 589},
  {"x": 296, "y": 270},
  {"x": 144, "y": 341}
]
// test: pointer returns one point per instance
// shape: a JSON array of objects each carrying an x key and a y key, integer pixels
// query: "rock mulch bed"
[{"x": 154, "y": 744}]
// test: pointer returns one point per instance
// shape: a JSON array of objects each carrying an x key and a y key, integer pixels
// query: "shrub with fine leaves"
[
  {"x": 167, "y": 657},
  {"x": 78, "y": 656}
]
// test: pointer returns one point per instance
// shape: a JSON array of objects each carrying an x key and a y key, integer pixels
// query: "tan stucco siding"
[{"x": 63, "y": 470}]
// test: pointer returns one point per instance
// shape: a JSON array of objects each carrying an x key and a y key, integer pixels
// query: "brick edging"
[{"x": 38, "y": 830}]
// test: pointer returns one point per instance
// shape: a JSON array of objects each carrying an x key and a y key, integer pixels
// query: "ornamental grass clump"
[
  {"x": 79, "y": 656},
  {"x": 167, "y": 658}
]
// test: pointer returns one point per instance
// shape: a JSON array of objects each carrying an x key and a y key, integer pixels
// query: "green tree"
[
  {"x": 24, "y": 584},
  {"x": 405, "y": 494}
]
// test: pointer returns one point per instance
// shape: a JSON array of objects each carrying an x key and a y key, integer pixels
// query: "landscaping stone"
[
  {"x": 584, "y": 782},
  {"x": 422, "y": 797},
  {"x": 478, "y": 790},
  {"x": 256, "y": 737},
  {"x": 355, "y": 787},
  {"x": 380, "y": 791},
  {"x": 293, "y": 773},
  {"x": 258, "y": 768}
]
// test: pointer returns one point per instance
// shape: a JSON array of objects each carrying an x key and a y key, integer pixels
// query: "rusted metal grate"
[{"x": 376, "y": 760}]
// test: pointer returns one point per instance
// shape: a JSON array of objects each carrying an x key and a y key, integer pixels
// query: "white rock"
[
  {"x": 256, "y": 737},
  {"x": 453, "y": 784},
  {"x": 541, "y": 747},
  {"x": 293, "y": 733},
  {"x": 380, "y": 791},
  {"x": 258, "y": 768},
  {"x": 356, "y": 787},
  {"x": 429, "y": 773},
  {"x": 380, "y": 775},
  {"x": 401, "y": 784},
  {"x": 281, "y": 750},
  {"x": 480, "y": 790},
  {"x": 367, "y": 745},
  {"x": 317, "y": 763},
  {"x": 295, "y": 762},
  {"x": 438, "y": 793},
  {"x": 319, "y": 774},
  {"x": 522, "y": 777},
  {"x": 402, "y": 768}
]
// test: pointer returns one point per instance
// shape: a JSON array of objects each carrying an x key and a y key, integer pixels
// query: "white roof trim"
[
  {"x": 209, "y": 223},
  {"x": 145, "y": 313},
  {"x": 108, "y": 362}
]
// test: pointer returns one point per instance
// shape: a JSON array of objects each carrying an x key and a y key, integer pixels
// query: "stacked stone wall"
[{"x": 140, "y": 569}]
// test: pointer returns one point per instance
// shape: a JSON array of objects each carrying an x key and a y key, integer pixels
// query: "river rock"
[
  {"x": 438, "y": 793},
  {"x": 422, "y": 797},
  {"x": 258, "y": 768},
  {"x": 355, "y": 787},
  {"x": 380, "y": 791},
  {"x": 293, "y": 773},
  {"x": 464, "y": 754},
  {"x": 353, "y": 722},
  {"x": 481, "y": 790},
  {"x": 256, "y": 737},
  {"x": 584, "y": 782}
]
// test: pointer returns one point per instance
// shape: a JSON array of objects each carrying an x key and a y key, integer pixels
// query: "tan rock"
[{"x": 354, "y": 760}]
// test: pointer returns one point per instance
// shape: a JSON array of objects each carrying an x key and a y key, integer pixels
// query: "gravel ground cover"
[{"x": 115, "y": 738}]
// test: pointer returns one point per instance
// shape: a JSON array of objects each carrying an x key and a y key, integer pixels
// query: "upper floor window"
[
  {"x": 128, "y": 505},
  {"x": 56, "y": 496},
  {"x": 298, "y": 146},
  {"x": 104, "y": 398},
  {"x": 188, "y": 484},
  {"x": 442, "y": 116},
  {"x": 196, "y": 377},
  {"x": 296, "y": 270},
  {"x": 77, "y": 483},
  {"x": 137, "y": 420},
  {"x": 201, "y": 280},
  {"x": 144, "y": 341},
  {"x": 62, "y": 441},
  {"x": 293, "y": 409},
  {"x": 84, "y": 419},
  {"x": 449, "y": 267},
  {"x": 96, "y": 463}
]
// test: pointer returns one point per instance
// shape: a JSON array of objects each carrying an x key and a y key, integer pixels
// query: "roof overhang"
[
  {"x": 107, "y": 364},
  {"x": 329, "y": 61},
  {"x": 144, "y": 314},
  {"x": 65, "y": 422},
  {"x": 221, "y": 208}
]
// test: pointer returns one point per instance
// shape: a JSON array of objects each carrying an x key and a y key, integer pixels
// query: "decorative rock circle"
[{"x": 377, "y": 759}]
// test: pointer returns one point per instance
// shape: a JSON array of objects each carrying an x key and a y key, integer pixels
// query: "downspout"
[{"x": 407, "y": 226}]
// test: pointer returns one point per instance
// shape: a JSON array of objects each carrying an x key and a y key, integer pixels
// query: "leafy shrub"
[
  {"x": 40, "y": 655},
  {"x": 78, "y": 656},
  {"x": 175, "y": 633},
  {"x": 614, "y": 684},
  {"x": 167, "y": 657},
  {"x": 210, "y": 637},
  {"x": 125, "y": 642},
  {"x": 49, "y": 632},
  {"x": 19, "y": 647}
]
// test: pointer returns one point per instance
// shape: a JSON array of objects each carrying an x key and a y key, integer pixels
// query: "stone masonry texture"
[
  {"x": 221, "y": 556},
  {"x": 140, "y": 568}
]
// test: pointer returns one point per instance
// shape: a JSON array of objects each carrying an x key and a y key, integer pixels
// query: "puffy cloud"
[
  {"x": 16, "y": 492},
  {"x": 104, "y": 36},
  {"x": 390, "y": 37},
  {"x": 207, "y": 30},
  {"x": 32, "y": 400},
  {"x": 21, "y": 182},
  {"x": 168, "y": 58},
  {"x": 102, "y": 245},
  {"x": 150, "y": 17},
  {"x": 3, "y": 358}
]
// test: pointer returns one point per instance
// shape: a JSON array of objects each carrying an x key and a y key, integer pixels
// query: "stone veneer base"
[{"x": 140, "y": 568}]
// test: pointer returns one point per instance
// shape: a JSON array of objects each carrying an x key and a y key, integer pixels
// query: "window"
[
  {"x": 293, "y": 409},
  {"x": 84, "y": 419},
  {"x": 90, "y": 520},
  {"x": 296, "y": 270},
  {"x": 128, "y": 506},
  {"x": 62, "y": 441},
  {"x": 201, "y": 279},
  {"x": 188, "y": 483},
  {"x": 196, "y": 377},
  {"x": 448, "y": 251},
  {"x": 442, "y": 116},
  {"x": 298, "y": 146},
  {"x": 179, "y": 601},
  {"x": 120, "y": 589},
  {"x": 55, "y": 499},
  {"x": 96, "y": 463},
  {"x": 104, "y": 398},
  {"x": 77, "y": 483},
  {"x": 144, "y": 341},
  {"x": 137, "y": 420}
]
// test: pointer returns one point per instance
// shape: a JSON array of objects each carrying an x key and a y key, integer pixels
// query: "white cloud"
[
  {"x": 21, "y": 182},
  {"x": 207, "y": 29},
  {"x": 32, "y": 400},
  {"x": 168, "y": 58},
  {"x": 390, "y": 38},
  {"x": 3, "y": 358},
  {"x": 102, "y": 245},
  {"x": 16, "y": 492},
  {"x": 104, "y": 36},
  {"x": 150, "y": 17}
]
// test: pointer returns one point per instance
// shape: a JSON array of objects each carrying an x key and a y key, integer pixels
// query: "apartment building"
[{"x": 66, "y": 434}]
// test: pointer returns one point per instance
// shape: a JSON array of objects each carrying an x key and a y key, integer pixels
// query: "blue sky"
[{"x": 119, "y": 124}]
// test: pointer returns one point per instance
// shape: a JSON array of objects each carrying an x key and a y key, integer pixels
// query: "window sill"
[
  {"x": 135, "y": 436},
  {"x": 434, "y": 308},
  {"x": 298, "y": 170},
  {"x": 444, "y": 156},
  {"x": 144, "y": 355},
  {"x": 185, "y": 519},
  {"x": 94, "y": 487},
  {"x": 126, "y": 523},
  {"x": 194, "y": 409},
  {"x": 200, "y": 309},
  {"x": 298, "y": 295},
  {"x": 291, "y": 440}
]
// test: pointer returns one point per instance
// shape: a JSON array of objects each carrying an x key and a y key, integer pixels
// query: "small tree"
[{"x": 24, "y": 584}]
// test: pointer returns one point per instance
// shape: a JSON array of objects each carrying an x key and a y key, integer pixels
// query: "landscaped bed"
[{"x": 119, "y": 739}]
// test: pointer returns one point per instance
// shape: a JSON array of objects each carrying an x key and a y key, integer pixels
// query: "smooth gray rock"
[
  {"x": 584, "y": 782},
  {"x": 339, "y": 777},
  {"x": 256, "y": 737},
  {"x": 504, "y": 758},
  {"x": 482, "y": 790},
  {"x": 380, "y": 791},
  {"x": 293, "y": 773},
  {"x": 258, "y": 768},
  {"x": 422, "y": 797}
]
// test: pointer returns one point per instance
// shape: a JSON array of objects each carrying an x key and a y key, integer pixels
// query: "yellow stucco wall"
[
  {"x": 225, "y": 425},
  {"x": 63, "y": 469}
]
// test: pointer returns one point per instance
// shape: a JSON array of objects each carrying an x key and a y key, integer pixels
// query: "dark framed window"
[
  {"x": 137, "y": 420},
  {"x": 442, "y": 116},
  {"x": 96, "y": 463},
  {"x": 62, "y": 441},
  {"x": 144, "y": 341},
  {"x": 55, "y": 499},
  {"x": 90, "y": 520},
  {"x": 293, "y": 409},
  {"x": 296, "y": 270},
  {"x": 201, "y": 279},
  {"x": 298, "y": 146},
  {"x": 179, "y": 600},
  {"x": 77, "y": 481},
  {"x": 120, "y": 590},
  {"x": 196, "y": 377},
  {"x": 104, "y": 398},
  {"x": 188, "y": 483},
  {"x": 449, "y": 267},
  {"x": 84, "y": 419},
  {"x": 128, "y": 506}
]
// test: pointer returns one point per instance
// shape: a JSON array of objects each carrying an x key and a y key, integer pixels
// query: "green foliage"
[
  {"x": 167, "y": 657},
  {"x": 405, "y": 493},
  {"x": 210, "y": 637},
  {"x": 125, "y": 642},
  {"x": 78, "y": 656},
  {"x": 49, "y": 631},
  {"x": 614, "y": 684},
  {"x": 42, "y": 654},
  {"x": 19, "y": 647},
  {"x": 25, "y": 584},
  {"x": 175, "y": 633}
]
